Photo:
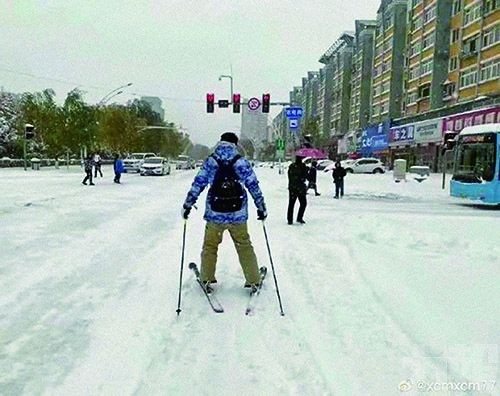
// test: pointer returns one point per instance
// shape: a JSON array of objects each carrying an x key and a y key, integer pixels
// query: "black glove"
[
  {"x": 185, "y": 211},
  {"x": 261, "y": 214}
]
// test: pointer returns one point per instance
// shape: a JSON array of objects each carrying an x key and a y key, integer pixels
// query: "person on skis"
[
  {"x": 226, "y": 208},
  {"x": 297, "y": 189}
]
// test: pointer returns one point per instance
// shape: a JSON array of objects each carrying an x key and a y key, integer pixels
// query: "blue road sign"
[
  {"x": 293, "y": 123},
  {"x": 294, "y": 113}
]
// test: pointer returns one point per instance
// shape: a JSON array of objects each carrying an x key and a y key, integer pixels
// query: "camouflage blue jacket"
[{"x": 226, "y": 151}]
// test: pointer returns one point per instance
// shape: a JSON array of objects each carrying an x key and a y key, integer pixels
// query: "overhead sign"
[
  {"x": 294, "y": 112},
  {"x": 253, "y": 103},
  {"x": 223, "y": 103}
]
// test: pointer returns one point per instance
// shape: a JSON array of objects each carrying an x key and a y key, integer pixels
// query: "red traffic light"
[
  {"x": 236, "y": 103},
  {"x": 210, "y": 102},
  {"x": 266, "y": 102}
]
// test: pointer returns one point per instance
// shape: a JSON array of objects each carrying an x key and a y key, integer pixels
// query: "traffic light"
[
  {"x": 236, "y": 103},
  {"x": 266, "y": 102},
  {"x": 29, "y": 131},
  {"x": 210, "y": 102}
]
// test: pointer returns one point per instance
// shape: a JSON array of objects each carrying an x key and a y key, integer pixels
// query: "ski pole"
[
  {"x": 272, "y": 267},
  {"x": 182, "y": 267}
]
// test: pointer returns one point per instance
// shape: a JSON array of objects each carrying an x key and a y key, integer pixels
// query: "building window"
[
  {"x": 412, "y": 97},
  {"x": 416, "y": 48},
  {"x": 428, "y": 40},
  {"x": 417, "y": 22},
  {"x": 414, "y": 72},
  {"x": 490, "y": 70},
  {"x": 424, "y": 91},
  {"x": 450, "y": 90},
  {"x": 491, "y": 5},
  {"x": 472, "y": 14},
  {"x": 426, "y": 67},
  {"x": 457, "y": 6},
  {"x": 429, "y": 14},
  {"x": 470, "y": 46},
  {"x": 491, "y": 36},
  {"x": 453, "y": 63},
  {"x": 455, "y": 34},
  {"x": 415, "y": 3},
  {"x": 468, "y": 77},
  {"x": 388, "y": 22}
]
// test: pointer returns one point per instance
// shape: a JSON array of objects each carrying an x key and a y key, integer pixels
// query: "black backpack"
[{"x": 226, "y": 193}]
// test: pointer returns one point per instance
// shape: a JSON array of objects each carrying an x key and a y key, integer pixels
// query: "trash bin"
[
  {"x": 35, "y": 163},
  {"x": 399, "y": 172}
]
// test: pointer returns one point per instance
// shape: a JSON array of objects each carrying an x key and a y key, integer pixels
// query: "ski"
[
  {"x": 254, "y": 293},
  {"x": 212, "y": 300}
]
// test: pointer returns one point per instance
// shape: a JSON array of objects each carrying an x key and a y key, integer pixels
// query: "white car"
[
  {"x": 365, "y": 165},
  {"x": 134, "y": 161},
  {"x": 158, "y": 166}
]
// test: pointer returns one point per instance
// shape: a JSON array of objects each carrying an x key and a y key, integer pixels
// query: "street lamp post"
[
  {"x": 105, "y": 97},
  {"x": 231, "y": 80}
]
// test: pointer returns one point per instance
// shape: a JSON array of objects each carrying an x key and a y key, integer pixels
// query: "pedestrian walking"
[
  {"x": 226, "y": 208},
  {"x": 338, "y": 178},
  {"x": 87, "y": 166},
  {"x": 118, "y": 168},
  {"x": 97, "y": 164},
  {"x": 297, "y": 189},
  {"x": 312, "y": 178}
]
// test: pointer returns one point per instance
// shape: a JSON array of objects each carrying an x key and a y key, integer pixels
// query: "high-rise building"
[
  {"x": 156, "y": 105},
  {"x": 389, "y": 61},
  {"x": 427, "y": 54},
  {"x": 361, "y": 80},
  {"x": 310, "y": 92},
  {"x": 474, "y": 62},
  {"x": 337, "y": 83},
  {"x": 253, "y": 125}
]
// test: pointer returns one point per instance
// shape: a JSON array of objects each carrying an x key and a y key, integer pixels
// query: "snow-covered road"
[{"x": 394, "y": 283}]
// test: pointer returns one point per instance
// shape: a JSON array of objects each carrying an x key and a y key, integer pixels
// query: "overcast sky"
[{"x": 172, "y": 49}]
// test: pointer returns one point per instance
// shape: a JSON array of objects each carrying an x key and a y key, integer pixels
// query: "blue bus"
[{"x": 476, "y": 168}]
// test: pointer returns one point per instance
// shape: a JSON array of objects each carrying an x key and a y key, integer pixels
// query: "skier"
[
  {"x": 87, "y": 165},
  {"x": 338, "y": 178},
  {"x": 118, "y": 168},
  {"x": 226, "y": 208},
  {"x": 97, "y": 164},
  {"x": 312, "y": 177},
  {"x": 297, "y": 189}
]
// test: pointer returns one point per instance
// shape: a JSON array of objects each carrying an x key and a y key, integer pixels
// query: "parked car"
[
  {"x": 184, "y": 162},
  {"x": 155, "y": 166},
  {"x": 322, "y": 164},
  {"x": 134, "y": 161},
  {"x": 198, "y": 164},
  {"x": 365, "y": 165}
]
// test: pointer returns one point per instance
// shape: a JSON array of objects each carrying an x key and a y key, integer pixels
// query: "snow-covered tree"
[{"x": 8, "y": 121}]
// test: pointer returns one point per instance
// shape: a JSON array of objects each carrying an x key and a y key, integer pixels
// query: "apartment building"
[
  {"x": 339, "y": 60},
  {"x": 427, "y": 54},
  {"x": 310, "y": 93},
  {"x": 388, "y": 63},
  {"x": 474, "y": 56},
  {"x": 361, "y": 79}
]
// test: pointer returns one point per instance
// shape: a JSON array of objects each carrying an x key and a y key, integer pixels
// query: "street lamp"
[
  {"x": 105, "y": 98},
  {"x": 231, "y": 78}
]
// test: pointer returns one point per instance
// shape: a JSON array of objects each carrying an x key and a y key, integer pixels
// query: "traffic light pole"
[{"x": 24, "y": 151}]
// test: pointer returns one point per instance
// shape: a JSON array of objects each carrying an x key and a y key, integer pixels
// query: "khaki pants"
[{"x": 244, "y": 248}]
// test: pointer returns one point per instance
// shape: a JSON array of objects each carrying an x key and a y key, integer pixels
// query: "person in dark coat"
[
  {"x": 338, "y": 178},
  {"x": 118, "y": 168},
  {"x": 87, "y": 165},
  {"x": 312, "y": 177},
  {"x": 297, "y": 189}
]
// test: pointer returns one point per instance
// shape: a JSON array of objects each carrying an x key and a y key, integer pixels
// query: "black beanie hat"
[{"x": 229, "y": 137}]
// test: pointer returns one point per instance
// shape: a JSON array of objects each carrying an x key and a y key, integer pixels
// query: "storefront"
[
  {"x": 374, "y": 142},
  {"x": 457, "y": 122},
  {"x": 417, "y": 143}
]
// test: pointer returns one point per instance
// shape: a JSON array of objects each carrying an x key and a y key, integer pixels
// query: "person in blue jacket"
[
  {"x": 118, "y": 168},
  {"x": 225, "y": 163}
]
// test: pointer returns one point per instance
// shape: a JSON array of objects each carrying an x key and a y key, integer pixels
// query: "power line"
[{"x": 73, "y": 83}]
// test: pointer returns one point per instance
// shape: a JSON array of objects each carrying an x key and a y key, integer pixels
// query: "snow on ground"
[{"x": 396, "y": 282}]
